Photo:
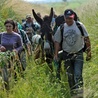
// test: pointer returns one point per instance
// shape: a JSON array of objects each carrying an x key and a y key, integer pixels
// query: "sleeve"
[
  {"x": 19, "y": 44},
  {"x": 19, "y": 26},
  {"x": 35, "y": 26},
  {"x": 26, "y": 38},
  {"x": 57, "y": 35},
  {"x": 84, "y": 30},
  {"x": 23, "y": 26}
]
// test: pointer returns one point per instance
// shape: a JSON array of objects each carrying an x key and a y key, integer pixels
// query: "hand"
[
  {"x": 29, "y": 50},
  {"x": 88, "y": 57},
  {"x": 56, "y": 57},
  {"x": 16, "y": 57},
  {"x": 3, "y": 49},
  {"x": 14, "y": 50},
  {"x": 29, "y": 53}
]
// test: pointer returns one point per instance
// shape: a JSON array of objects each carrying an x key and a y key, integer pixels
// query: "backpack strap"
[
  {"x": 61, "y": 29},
  {"x": 80, "y": 28}
]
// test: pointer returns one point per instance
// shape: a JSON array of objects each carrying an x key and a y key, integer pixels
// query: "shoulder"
[
  {"x": 22, "y": 31},
  {"x": 36, "y": 24},
  {"x": 24, "y": 23},
  {"x": 16, "y": 35},
  {"x": 79, "y": 23},
  {"x": 3, "y": 33}
]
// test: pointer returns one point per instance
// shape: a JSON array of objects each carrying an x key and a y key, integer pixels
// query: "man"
[
  {"x": 29, "y": 23},
  {"x": 30, "y": 27},
  {"x": 72, "y": 46}
]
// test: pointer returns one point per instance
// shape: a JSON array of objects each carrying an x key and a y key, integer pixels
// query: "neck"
[
  {"x": 10, "y": 32},
  {"x": 70, "y": 24}
]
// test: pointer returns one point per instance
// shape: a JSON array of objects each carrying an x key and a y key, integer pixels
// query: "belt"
[{"x": 73, "y": 53}]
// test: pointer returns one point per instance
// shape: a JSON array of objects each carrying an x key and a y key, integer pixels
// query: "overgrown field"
[{"x": 39, "y": 83}]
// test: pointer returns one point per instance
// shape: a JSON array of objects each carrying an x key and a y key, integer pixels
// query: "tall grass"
[
  {"x": 89, "y": 16},
  {"x": 60, "y": 7}
]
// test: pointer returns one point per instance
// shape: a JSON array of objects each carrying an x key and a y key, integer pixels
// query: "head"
[
  {"x": 9, "y": 25},
  {"x": 28, "y": 18},
  {"x": 69, "y": 16},
  {"x": 23, "y": 20},
  {"x": 16, "y": 26}
]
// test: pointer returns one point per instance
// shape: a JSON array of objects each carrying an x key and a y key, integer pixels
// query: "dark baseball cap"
[{"x": 69, "y": 13}]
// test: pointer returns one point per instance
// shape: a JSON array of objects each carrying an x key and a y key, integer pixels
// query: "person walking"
[
  {"x": 73, "y": 43},
  {"x": 9, "y": 41}
]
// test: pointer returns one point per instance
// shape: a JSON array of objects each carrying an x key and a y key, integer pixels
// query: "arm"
[
  {"x": 23, "y": 26},
  {"x": 88, "y": 50},
  {"x": 27, "y": 43},
  {"x": 19, "y": 45},
  {"x": 87, "y": 42},
  {"x": 56, "y": 45},
  {"x": 25, "y": 37},
  {"x": 57, "y": 40}
]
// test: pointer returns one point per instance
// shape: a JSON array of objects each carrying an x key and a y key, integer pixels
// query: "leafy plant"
[{"x": 5, "y": 57}]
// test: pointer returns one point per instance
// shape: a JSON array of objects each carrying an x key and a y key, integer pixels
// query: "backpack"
[{"x": 81, "y": 30}]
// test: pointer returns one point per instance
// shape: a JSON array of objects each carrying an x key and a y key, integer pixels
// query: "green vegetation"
[
  {"x": 60, "y": 7},
  {"x": 89, "y": 16},
  {"x": 5, "y": 12},
  {"x": 37, "y": 82}
]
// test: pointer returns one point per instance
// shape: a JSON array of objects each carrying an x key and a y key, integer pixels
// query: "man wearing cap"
[
  {"x": 30, "y": 27},
  {"x": 29, "y": 23},
  {"x": 72, "y": 46}
]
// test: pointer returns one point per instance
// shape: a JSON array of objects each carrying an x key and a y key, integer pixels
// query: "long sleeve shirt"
[{"x": 11, "y": 41}]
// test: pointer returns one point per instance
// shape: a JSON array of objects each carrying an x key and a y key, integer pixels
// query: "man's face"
[
  {"x": 69, "y": 20},
  {"x": 29, "y": 19}
]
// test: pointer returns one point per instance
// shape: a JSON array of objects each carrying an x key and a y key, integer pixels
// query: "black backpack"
[{"x": 81, "y": 30}]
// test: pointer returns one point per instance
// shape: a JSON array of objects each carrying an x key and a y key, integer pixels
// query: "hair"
[
  {"x": 38, "y": 14},
  {"x": 10, "y": 21},
  {"x": 16, "y": 23}
]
